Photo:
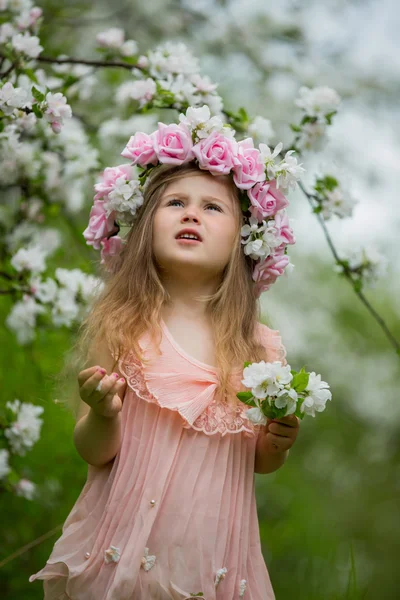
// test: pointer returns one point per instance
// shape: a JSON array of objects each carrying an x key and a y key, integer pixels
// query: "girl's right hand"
[{"x": 106, "y": 401}]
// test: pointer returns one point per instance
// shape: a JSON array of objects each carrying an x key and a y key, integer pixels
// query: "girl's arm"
[{"x": 98, "y": 438}]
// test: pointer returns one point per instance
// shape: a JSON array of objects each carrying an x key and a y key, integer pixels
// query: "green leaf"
[
  {"x": 300, "y": 381},
  {"x": 31, "y": 74},
  {"x": 329, "y": 116},
  {"x": 246, "y": 364},
  {"x": 243, "y": 114},
  {"x": 330, "y": 182},
  {"x": 247, "y": 398},
  {"x": 295, "y": 128},
  {"x": 36, "y": 110},
  {"x": 297, "y": 412},
  {"x": 37, "y": 94},
  {"x": 244, "y": 203}
]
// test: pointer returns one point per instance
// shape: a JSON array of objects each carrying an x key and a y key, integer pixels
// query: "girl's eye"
[{"x": 171, "y": 202}]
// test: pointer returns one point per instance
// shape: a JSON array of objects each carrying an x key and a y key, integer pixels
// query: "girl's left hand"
[{"x": 282, "y": 433}]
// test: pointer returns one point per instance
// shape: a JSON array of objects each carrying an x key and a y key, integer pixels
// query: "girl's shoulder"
[{"x": 272, "y": 341}]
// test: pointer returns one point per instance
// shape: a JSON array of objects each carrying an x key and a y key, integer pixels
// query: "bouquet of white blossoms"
[{"x": 278, "y": 391}]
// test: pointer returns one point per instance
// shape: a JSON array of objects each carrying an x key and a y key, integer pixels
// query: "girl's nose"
[{"x": 190, "y": 216}]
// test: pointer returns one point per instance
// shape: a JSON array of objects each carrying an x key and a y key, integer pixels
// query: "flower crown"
[{"x": 211, "y": 144}]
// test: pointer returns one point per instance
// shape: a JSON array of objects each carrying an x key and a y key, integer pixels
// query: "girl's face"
[{"x": 203, "y": 203}]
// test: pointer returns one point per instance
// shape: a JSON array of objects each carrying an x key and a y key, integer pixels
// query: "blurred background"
[{"x": 329, "y": 519}]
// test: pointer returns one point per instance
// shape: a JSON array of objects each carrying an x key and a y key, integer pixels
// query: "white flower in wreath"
[
  {"x": 148, "y": 561},
  {"x": 242, "y": 587},
  {"x": 112, "y": 554}
]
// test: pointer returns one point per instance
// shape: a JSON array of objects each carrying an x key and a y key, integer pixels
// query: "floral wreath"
[{"x": 210, "y": 143}]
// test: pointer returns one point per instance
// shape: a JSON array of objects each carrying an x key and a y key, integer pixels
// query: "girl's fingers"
[
  {"x": 99, "y": 384},
  {"x": 111, "y": 387},
  {"x": 86, "y": 374}
]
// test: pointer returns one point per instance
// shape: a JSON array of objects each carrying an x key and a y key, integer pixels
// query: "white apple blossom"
[
  {"x": 195, "y": 116},
  {"x": 143, "y": 90},
  {"x": 57, "y": 109},
  {"x": 27, "y": 44},
  {"x": 117, "y": 128},
  {"x": 22, "y": 319},
  {"x": 260, "y": 240},
  {"x": 65, "y": 310},
  {"x": 125, "y": 198},
  {"x": 26, "y": 488},
  {"x": 52, "y": 171},
  {"x": 318, "y": 394},
  {"x": 268, "y": 158},
  {"x": 45, "y": 291},
  {"x": 288, "y": 173},
  {"x": 256, "y": 415},
  {"x": 75, "y": 196},
  {"x": 318, "y": 101},
  {"x": 129, "y": 48},
  {"x": 7, "y": 31},
  {"x": 287, "y": 398},
  {"x": 31, "y": 258},
  {"x": 200, "y": 122},
  {"x": 111, "y": 38},
  {"x": 24, "y": 432},
  {"x": 25, "y": 122},
  {"x": 261, "y": 128},
  {"x": 76, "y": 281},
  {"x": 181, "y": 87},
  {"x": 337, "y": 203},
  {"x": 28, "y": 17},
  {"x": 312, "y": 136},
  {"x": 255, "y": 373},
  {"x": 214, "y": 101},
  {"x": 172, "y": 58},
  {"x": 13, "y": 97},
  {"x": 203, "y": 84},
  {"x": 367, "y": 264},
  {"x": 4, "y": 466}
]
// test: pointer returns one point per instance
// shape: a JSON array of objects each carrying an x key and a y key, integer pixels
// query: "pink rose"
[
  {"x": 216, "y": 153},
  {"x": 140, "y": 150},
  {"x": 109, "y": 179},
  {"x": 266, "y": 200},
  {"x": 173, "y": 144},
  {"x": 249, "y": 168},
  {"x": 285, "y": 231},
  {"x": 111, "y": 247},
  {"x": 266, "y": 272},
  {"x": 99, "y": 225}
]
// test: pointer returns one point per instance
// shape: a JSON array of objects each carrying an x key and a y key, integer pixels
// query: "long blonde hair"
[{"x": 132, "y": 296}]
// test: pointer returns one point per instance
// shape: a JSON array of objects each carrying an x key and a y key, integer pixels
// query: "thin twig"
[
  {"x": 347, "y": 274},
  {"x": 27, "y": 547},
  {"x": 92, "y": 63}
]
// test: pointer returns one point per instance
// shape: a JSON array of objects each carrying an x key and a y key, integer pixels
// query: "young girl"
[{"x": 168, "y": 511}]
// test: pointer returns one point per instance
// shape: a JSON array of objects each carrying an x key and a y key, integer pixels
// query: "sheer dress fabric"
[{"x": 174, "y": 513}]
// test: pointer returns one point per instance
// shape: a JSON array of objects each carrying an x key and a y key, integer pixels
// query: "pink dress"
[{"x": 174, "y": 514}]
